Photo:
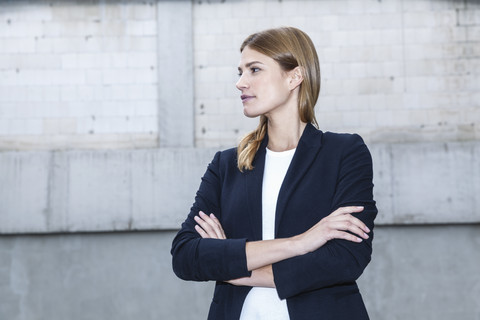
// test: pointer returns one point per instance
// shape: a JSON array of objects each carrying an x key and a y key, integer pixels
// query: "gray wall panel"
[{"x": 417, "y": 272}]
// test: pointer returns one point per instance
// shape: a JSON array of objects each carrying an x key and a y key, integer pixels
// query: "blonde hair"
[{"x": 290, "y": 48}]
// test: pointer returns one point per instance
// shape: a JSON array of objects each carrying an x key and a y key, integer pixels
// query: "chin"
[
  {"x": 250, "y": 114},
  {"x": 253, "y": 112}
]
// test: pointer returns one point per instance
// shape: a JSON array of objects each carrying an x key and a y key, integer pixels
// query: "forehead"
[{"x": 249, "y": 55}]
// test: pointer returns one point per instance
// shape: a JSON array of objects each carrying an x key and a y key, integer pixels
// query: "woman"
[{"x": 283, "y": 222}]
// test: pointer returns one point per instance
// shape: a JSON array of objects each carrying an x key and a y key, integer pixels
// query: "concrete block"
[
  {"x": 89, "y": 93},
  {"x": 31, "y": 126},
  {"x": 135, "y": 28},
  {"x": 417, "y": 19},
  {"x": 17, "y": 45},
  {"x": 110, "y": 124},
  {"x": 142, "y": 44},
  {"x": 149, "y": 28},
  {"x": 51, "y": 29},
  {"x": 386, "y": 20},
  {"x": 441, "y": 177},
  {"x": 141, "y": 59},
  {"x": 4, "y": 125},
  {"x": 353, "y": 22},
  {"x": 79, "y": 27},
  {"x": 16, "y": 94},
  {"x": 391, "y": 7},
  {"x": 68, "y": 93},
  {"x": 27, "y": 189},
  {"x": 143, "y": 124},
  {"x": 110, "y": 29},
  {"x": 18, "y": 29},
  {"x": 45, "y": 45},
  {"x": 118, "y": 60},
  {"x": 60, "y": 126},
  {"x": 468, "y": 17},
  {"x": 391, "y": 36},
  {"x": 94, "y": 77},
  {"x": 30, "y": 61},
  {"x": 34, "y": 12},
  {"x": 91, "y": 60},
  {"x": 117, "y": 76},
  {"x": 141, "y": 11},
  {"x": 473, "y": 34}
]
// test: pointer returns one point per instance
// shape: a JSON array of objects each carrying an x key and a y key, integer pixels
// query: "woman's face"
[{"x": 264, "y": 85}]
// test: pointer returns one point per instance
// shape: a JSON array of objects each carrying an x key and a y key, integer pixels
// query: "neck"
[
  {"x": 284, "y": 125},
  {"x": 284, "y": 135}
]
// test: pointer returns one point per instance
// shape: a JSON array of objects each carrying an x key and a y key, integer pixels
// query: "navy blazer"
[{"x": 327, "y": 171}]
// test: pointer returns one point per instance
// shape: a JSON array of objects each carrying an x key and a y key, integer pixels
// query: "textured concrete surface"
[
  {"x": 121, "y": 74},
  {"x": 93, "y": 276},
  {"x": 79, "y": 74},
  {"x": 416, "y": 273},
  {"x": 175, "y": 61},
  {"x": 424, "y": 272},
  {"x": 98, "y": 191},
  {"x": 415, "y": 183}
]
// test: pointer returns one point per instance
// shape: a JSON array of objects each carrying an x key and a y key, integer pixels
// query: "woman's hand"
[
  {"x": 261, "y": 277},
  {"x": 333, "y": 226},
  {"x": 208, "y": 226}
]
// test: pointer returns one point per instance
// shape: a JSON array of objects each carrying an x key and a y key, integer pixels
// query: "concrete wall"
[
  {"x": 417, "y": 272},
  {"x": 101, "y": 101},
  {"x": 396, "y": 71},
  {"x": 72, "y": 191},
  {"x": 78, "y": 75}
]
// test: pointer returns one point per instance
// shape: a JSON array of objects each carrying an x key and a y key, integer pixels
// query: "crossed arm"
[{"x": 340, "y": 224}]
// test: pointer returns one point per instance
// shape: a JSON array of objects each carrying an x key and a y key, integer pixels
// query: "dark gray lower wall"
[{"x": 424, "y": 272}]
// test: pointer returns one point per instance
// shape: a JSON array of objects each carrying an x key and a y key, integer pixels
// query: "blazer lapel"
[
  {"x": 307, "y": 150},
  {"x": 253, "y": 185}
]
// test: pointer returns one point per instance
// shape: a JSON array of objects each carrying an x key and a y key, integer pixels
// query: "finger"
[
  {"x": 206, "y": 227},
  {"x": 214, "y": 227},
  {"x": 201, "y": 232},
  {"x": 346, "y": 236},
  {"x": 359, "y": 223},
  {"x": 347, "y": 210},
  {"x": 214, "y": 218},
  {"x": 349, "y": 225}
]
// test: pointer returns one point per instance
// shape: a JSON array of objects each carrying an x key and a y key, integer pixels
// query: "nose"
[{"x": 241, "y": 83}]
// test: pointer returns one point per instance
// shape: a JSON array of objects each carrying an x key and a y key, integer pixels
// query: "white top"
[{"x": 264, "y": 303}]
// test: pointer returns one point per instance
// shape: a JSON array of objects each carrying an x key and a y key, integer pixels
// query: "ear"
[{"x": 295, "y": 78}]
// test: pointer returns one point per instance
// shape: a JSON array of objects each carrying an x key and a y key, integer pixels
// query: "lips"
[{"x": 245, "y": 98}]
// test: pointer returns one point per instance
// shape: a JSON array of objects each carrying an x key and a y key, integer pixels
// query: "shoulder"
[
  {"x": 350, "y": 149},
  {"x": 226, "y": 156},
  {"x": 342, "y": 142},
  {"x": 333, "y": 138},
  {"x": 224, "y": 160}
]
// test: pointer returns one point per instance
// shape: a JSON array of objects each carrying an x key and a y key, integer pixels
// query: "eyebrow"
[{"x": 248, "y": 65}]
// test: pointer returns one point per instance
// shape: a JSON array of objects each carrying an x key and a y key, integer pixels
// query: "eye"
[{"x": 254, "y": 69}]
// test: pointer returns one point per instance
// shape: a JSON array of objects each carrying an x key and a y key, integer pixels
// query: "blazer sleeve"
[
  {"x": 194, "y": 258},
  {"x": 338, "y": 261}
]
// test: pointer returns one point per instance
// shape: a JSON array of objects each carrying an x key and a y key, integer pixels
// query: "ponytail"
[{"x": 249, "y": 145}]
